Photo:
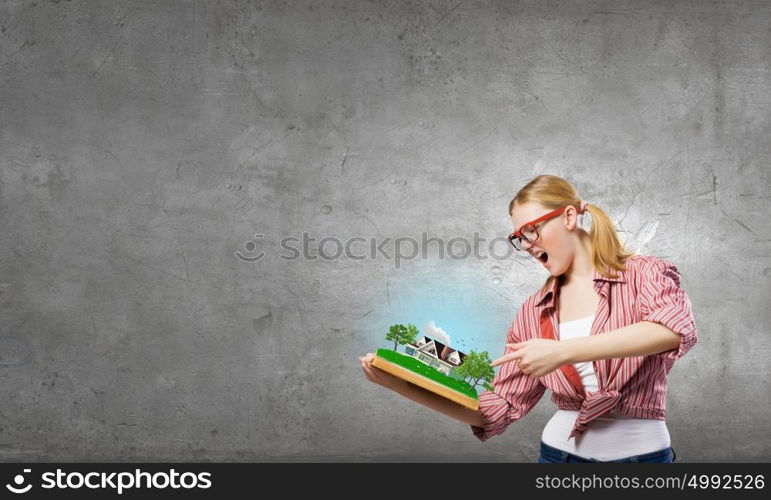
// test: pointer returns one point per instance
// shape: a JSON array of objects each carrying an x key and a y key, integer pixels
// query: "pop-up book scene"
[{"x": 434, "y": 365}]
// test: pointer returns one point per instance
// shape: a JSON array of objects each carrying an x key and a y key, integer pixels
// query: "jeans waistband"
[{"x": 563, "y": 456}]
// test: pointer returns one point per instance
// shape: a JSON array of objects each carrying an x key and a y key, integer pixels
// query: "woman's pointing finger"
[{"x": 506, "y": 358}]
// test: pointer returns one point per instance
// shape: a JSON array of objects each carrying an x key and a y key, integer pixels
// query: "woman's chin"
[{"x": 553, "y": 270}]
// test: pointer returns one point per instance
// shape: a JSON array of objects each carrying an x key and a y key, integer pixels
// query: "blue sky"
[{"x": 475, "y": 315}]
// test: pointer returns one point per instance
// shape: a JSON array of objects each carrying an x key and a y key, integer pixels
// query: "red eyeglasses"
[{"x": 529, "y": 231}]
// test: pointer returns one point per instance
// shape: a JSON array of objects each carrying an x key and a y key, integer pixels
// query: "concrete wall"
[{"x": 153, "y": 154}]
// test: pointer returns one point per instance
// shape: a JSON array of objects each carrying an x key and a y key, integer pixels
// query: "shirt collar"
[{"x": 545, "y": 298}]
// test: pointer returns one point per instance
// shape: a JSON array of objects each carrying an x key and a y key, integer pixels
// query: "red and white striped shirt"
[{"x": 649, "y": 290}]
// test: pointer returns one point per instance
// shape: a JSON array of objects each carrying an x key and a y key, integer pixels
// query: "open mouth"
[{"x": 542, "y": 256}]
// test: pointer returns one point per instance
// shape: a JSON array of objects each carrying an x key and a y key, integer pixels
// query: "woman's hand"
[
  {"x": 536, "y": 357},
  {"x": 380, "y": 377}
]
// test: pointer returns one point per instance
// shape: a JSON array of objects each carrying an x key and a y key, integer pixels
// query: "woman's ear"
[{"x": 570, "y": 219}]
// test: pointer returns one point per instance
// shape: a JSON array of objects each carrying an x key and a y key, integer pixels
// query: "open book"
[{"x": 431, "y": 365}]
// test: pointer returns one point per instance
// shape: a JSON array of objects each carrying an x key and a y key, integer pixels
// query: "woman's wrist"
[
  {"x": 567, "y": 352},
  {"x": 404, "y": 388}
]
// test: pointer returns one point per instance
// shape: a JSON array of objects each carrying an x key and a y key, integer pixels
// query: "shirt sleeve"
[
  {"x": 663, "y": 301},
  {"x": 514, "y": 392}
]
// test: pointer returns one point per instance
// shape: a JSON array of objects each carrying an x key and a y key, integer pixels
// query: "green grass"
[{"x": 429, "y": 372}]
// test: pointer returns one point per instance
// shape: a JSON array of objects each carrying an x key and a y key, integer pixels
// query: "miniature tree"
[
  {"x": 401, "y": 334},
  {"x": 477, "y": 368}
]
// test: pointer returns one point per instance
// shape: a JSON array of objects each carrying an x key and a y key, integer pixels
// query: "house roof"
[{"x": 443, "y": 351}]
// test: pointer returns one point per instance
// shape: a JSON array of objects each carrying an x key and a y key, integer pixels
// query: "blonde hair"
[{"x": 554, "y": 192}]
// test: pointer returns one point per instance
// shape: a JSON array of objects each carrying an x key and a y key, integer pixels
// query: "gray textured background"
[{"x": 143, "y": 143}]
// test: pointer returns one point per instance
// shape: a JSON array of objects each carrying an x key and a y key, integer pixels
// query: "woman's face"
[{"x": 556, "y": 236}]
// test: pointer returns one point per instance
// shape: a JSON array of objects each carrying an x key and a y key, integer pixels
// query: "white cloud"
[{"x": 433, "y": 331}]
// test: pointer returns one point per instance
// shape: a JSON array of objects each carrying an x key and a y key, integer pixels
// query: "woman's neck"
[{"x": 582, "y": 267}]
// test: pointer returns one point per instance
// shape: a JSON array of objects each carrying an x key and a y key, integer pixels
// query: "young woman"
[{"x": 602, "y": 334}]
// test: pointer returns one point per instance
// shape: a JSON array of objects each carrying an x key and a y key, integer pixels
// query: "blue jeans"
[{"x": 550, "y": 454}]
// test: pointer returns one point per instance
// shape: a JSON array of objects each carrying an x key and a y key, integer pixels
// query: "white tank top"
[{"x": 610, "y": 436}]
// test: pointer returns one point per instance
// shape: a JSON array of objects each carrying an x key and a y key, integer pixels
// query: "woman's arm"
[
  {"x": 537, "y": 357},
  {"x": 442, "y": 405},
  {"x": 638, "y": 339}
]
